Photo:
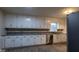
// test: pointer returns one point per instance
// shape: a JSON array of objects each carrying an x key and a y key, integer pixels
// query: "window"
[{"x": 54, "y": 27}]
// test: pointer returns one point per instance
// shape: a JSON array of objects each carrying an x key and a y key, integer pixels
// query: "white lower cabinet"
[
  {"x": 57, "y": 38},
  {"x": 27, "y": 40},
  {"x": 38, "y": 40},
  {"x": 33, "y": 39},
  {"x": 9, "y": 42},
  {"x": 43, "y": 39},
  {"x": 18, "y": 41},
  {"x": 1, "y": 42}
]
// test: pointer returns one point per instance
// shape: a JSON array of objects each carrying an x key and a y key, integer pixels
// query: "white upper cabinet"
[
  {"x": 10, "y": 21},
  {"x": 19, "y": 21},
  {"x": 22, "y": 22}
]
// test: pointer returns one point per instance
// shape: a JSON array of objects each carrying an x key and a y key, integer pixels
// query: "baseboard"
[
  {"x": 2, "y": 50},
  {"x": 24, "y": 46},
  {"x": 60, "y": 43}
]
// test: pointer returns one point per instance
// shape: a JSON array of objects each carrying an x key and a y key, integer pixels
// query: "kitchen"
[{"x": 32, "y": 29}]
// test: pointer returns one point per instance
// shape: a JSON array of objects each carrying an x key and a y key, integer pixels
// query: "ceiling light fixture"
[{"x": 68, "y": 11}]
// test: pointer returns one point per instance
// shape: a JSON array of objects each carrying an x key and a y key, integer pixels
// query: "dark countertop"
[{"x": 32, "y": 33}]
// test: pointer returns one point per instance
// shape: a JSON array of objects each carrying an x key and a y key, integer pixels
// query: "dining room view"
[{"x": 39, "y": 29}]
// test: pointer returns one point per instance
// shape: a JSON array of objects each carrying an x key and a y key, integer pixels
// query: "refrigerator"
[{"x": 73, "y": 32}]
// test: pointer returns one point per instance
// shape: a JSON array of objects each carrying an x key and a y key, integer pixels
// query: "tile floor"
[{"x": 41, "y": 48}]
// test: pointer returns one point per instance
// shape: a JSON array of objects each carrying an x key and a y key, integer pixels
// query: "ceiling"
[{"x": 39, "y": 11}]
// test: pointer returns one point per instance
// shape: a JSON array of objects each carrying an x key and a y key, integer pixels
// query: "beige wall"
[
  {"x": 61, "y": 21},
  {"x": 65, "y": 25}
]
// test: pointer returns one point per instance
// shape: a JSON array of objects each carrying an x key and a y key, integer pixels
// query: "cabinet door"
[
  {"x": 18, "y": 41},
  {"x": 55, "y": 38},
  {"x": 25, "y": 41},
  {"x": 28, "y": 40},
  {"x": 36, "y": 39},
  {"x": 10, "y": 21},
  {"x": 31, "y": 40},
  {"x": 43, "y": 39},
  {"x": 39, "y": 39},
  {"x": 63, "y": 38},
  {"x": 1, "y": 42},
  {"x": 59, "y": 38},
  {"x": 3, "y": 38},
  {"x": 9, "y": 42},
  {"x": 19, "y": 21}
]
